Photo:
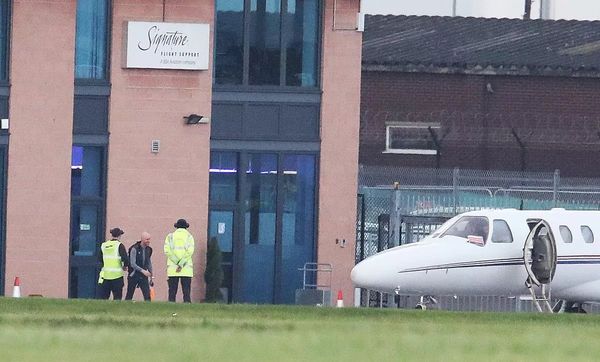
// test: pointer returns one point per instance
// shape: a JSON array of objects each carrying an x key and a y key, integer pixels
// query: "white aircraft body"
[{"x": 496, "y": 252}]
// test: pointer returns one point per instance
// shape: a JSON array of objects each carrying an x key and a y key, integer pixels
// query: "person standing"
[
  {"x": 114, "y": 262},
  {"x": 140, "y": 267},
  {"x": 179, "y": 248}
]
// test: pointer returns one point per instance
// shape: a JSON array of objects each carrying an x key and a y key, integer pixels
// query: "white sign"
[
  {"x": 221, "y": 228},
  {"x": 167, "y": 45}
]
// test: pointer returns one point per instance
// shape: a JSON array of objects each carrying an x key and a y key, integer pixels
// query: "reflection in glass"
[
  {"x": 91, "y": 39},
  {"x": 298, "y": 220},
  {"x": 300, "y": 40},
  {"x": 259, "y": 236},
  {"x": 265, "y": 47},
  {"x": 223, "y": 176},
  {"x": 86, "y": 171},
  {"x": 84, "y": 230},
  {"x": 229, "y": 48}
]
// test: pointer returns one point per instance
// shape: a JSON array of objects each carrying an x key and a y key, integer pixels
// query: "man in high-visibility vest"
[
  {"x": 114, "y": 262},
  {"x": 179, "y": 249}
]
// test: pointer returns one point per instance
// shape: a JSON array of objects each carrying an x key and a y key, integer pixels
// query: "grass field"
[{"x": 88, "y": 330}]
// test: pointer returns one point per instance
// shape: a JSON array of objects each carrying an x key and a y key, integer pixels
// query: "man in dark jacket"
[{"x": 140, "y": 267}]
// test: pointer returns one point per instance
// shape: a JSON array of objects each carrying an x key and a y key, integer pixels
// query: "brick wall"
[{"x": 557, "y": 119}]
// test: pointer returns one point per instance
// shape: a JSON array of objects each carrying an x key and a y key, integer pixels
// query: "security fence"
[{"x": 402, "y": 205}]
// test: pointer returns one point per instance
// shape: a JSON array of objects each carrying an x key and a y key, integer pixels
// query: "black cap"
[
  {"x": 116, "y": 232},
  {"x": 181, "y": 224}
]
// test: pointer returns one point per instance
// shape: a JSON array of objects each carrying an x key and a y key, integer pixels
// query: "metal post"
[
  {"x": 555, "y": 188},
  {"x": 362, "y": 226},
  {"x": 395, "y": 218},
  {"x": 455, "y": 184}
]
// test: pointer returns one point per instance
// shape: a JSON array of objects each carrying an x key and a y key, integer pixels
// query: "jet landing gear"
[
  {"x": 425, "y": 301},
  {"x": 563, "y": 306}
]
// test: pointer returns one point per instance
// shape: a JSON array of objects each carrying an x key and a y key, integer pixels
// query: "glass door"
[
  {"x": 220, "y": 226},
  {"x": 87, "y": 219}
]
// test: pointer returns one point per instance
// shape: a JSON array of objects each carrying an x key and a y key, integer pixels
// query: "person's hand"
[
  {"x": 146, "y": 273},
  {"x": 178, "y": 269}
]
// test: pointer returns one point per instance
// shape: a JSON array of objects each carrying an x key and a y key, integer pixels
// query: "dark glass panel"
[
  {"x": 265, "y": 44},
  {"x": 86, "y": 171},
  {"x": 300, "y": 40},
  {"x": 259, "y": 240},
  {"x": 83, "y": 282},
  {"x": 298, "y": 229},
  {"x": 84, "y": 230},
  {"x": 223, "y": 176},
  {"x": 3, "y": 39},
  {"x": 91, "y": 39},
  {"x": 229, "y": 49}
]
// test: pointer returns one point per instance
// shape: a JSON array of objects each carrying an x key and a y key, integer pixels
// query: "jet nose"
[{"x": 363, "y": 275}]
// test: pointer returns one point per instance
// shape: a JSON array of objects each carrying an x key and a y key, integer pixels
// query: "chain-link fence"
[{"x": 403, "y": 205}]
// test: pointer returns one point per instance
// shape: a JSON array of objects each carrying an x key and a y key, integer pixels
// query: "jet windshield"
[{"x": 469, "y": 226}]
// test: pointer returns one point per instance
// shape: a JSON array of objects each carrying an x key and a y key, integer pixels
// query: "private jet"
[{"x": 547, "y": 254}]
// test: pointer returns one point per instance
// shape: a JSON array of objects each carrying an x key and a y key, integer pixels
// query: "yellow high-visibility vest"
[
  {"x": 179, "y": 248},
  {"x": 113, "y": 266}
]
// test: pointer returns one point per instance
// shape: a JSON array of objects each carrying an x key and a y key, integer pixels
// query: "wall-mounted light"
[{"x": 195, "y": 119}]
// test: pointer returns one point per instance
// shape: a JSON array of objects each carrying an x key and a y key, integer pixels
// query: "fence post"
[
  {"x": 455, "y": 184},
  {"x": 395, "y": 217},
  {"x": 555, "y": 188}
]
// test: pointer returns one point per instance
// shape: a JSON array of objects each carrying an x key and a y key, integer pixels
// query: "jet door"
[{"x": 539, "y": 253}]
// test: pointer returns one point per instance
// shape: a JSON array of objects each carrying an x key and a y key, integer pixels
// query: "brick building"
[
  {"x": 501, "y": 94},
  {"x": 100, "y": 102}
]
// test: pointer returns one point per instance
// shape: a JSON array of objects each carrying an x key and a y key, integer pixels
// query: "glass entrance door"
[
  {"x": 271, "y": 208},
  {"x": 87, "y": 219},
  {"x": 220, "y": 226}
]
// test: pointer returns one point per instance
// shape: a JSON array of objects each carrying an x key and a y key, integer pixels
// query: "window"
[
  {"x": 502, "y": 233},
  {"x": 223, "y": 176},
  {"x": 411, "y": 138},
  {"x": 565, "y": 233},
  {"x": 279, "y": 48},
  {"x": 91, "y": 38},
  {"x": 469, "y": 226},
  {"x": 4, "y": 40},
  {"x": 588, "y": 235}
]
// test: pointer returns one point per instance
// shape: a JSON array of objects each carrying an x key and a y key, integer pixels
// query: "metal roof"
[{"x": 481, "y": 45}]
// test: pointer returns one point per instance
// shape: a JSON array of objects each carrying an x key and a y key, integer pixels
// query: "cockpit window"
[
  {"x": 565, "y": 233},
  {"x": 502, "y": 233},
  {"x": 469, "y": 226}
]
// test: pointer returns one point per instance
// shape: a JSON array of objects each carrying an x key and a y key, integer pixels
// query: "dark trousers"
[
  {"x": 138, "y": 281},
  {"x": 186, "y": 283},
  {"x": 114, "y": 286}
]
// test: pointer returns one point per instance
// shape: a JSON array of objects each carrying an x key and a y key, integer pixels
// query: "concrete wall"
[
  {"x": 339, "y": 146},
  {"x": 555, "y": 117},
  {"x": 39, "y": 159},
  {"x": 151, "y": 191}
]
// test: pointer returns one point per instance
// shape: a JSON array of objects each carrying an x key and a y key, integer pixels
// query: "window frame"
[
  {"x": 106, "y": 80},
  {"x": 410, "y": 125},
  {"x": 5, "y": 81},
  {"x": 245, "y": 83},
  {"x": 512, "y": 239},
  {"x": 560, "y": 230},
  {"x": 581, "y": 228}
]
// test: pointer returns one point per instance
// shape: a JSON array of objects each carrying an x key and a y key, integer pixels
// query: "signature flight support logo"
[{"x": 167, "y": 45}]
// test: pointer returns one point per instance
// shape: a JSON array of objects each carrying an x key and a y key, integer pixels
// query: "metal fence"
[{"x": 402, "y": 205}]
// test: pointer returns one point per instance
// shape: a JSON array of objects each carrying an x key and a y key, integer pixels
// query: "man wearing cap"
[
  {"x": 179, "y": 248},
  {"x": 114, "y": 262}
]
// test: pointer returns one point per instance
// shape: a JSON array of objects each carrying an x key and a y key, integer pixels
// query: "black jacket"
[{"x": 139, "y": 259}]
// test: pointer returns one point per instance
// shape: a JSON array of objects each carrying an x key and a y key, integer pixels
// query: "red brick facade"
[{"x": 556, "y": 119}]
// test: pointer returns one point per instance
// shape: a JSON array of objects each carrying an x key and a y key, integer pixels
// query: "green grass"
[{"x": 87, "y": 330}]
